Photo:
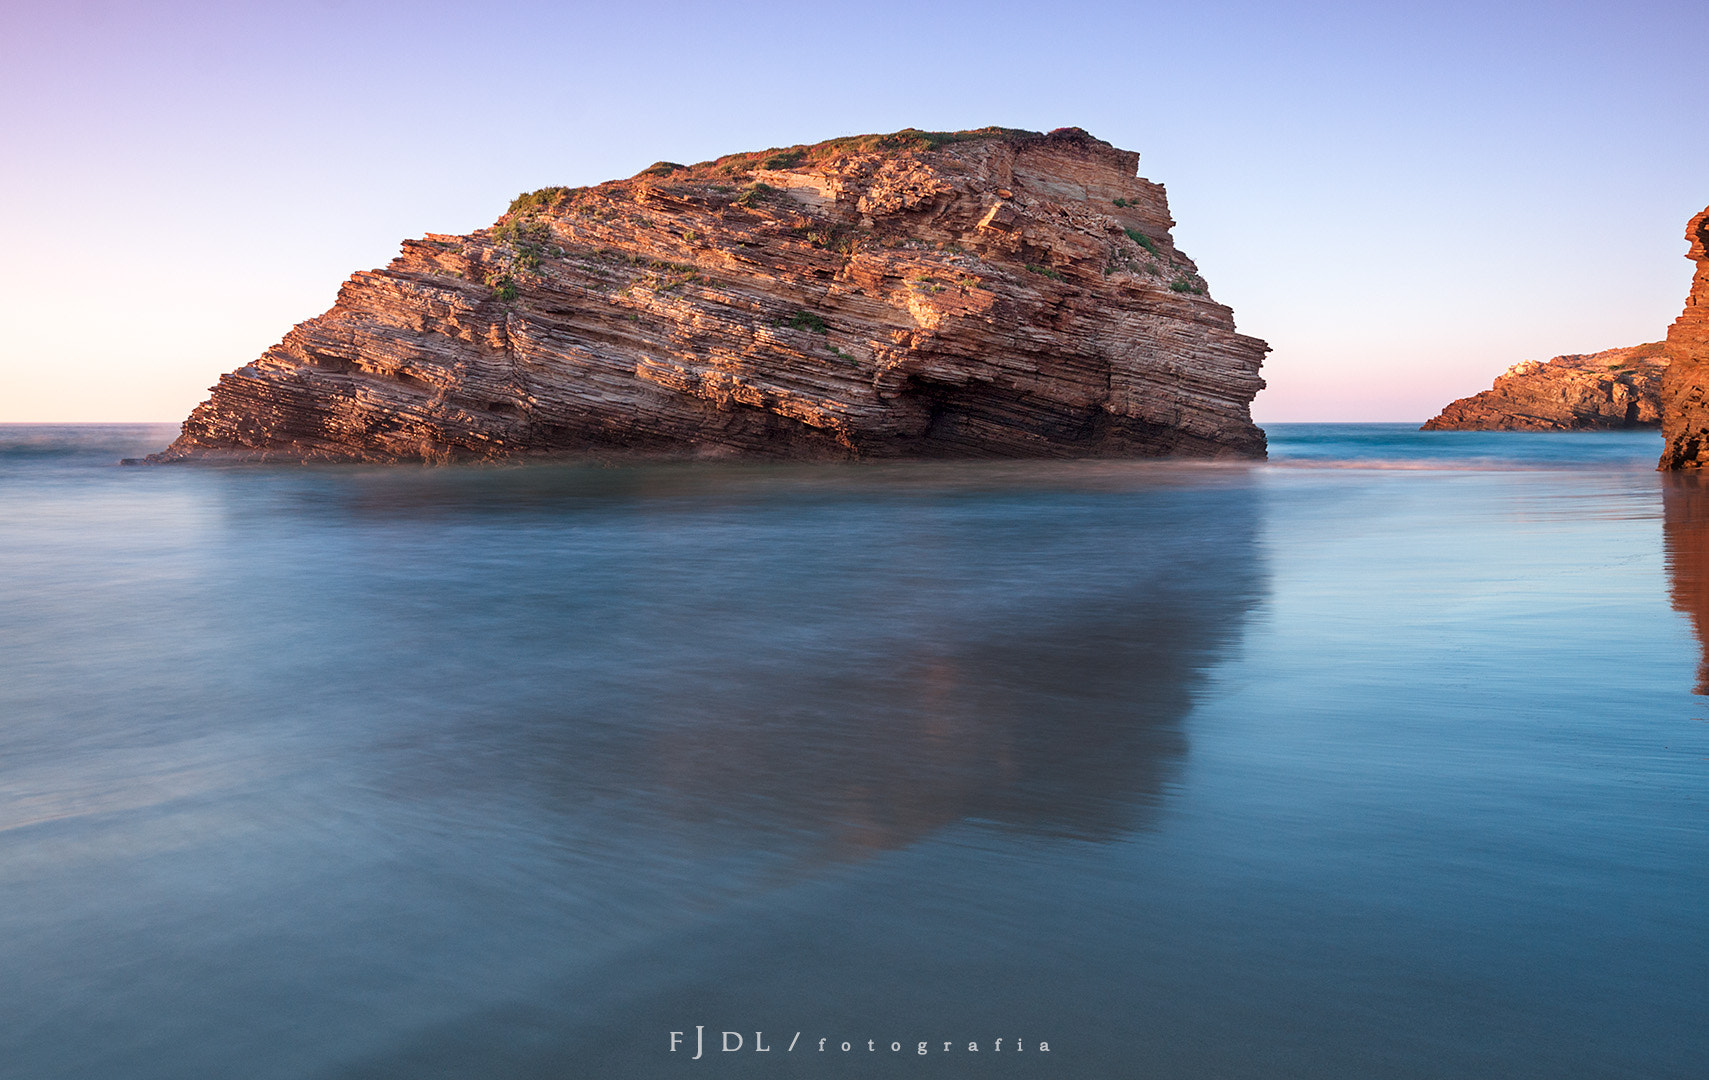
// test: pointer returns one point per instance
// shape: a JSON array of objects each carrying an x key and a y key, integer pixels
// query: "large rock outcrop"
[
  {"x": 1615, "y": 388},
  {"x": 985, "y": 293},
  {"x": 1685, "y": 390}
]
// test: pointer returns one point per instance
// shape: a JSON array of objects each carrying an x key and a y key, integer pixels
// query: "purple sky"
[{"x": 1402, "y": 199}]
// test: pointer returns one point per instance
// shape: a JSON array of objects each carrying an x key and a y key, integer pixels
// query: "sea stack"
[
  {"x": 1685, "y": 388},
  {"x": 990, "y": 293}
]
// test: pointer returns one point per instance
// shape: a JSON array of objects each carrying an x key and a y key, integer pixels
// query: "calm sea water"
[{"x": 1383, "y": 759}]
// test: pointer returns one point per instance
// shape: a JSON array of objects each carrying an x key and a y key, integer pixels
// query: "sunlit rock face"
[
  {"x": 993, "y": 293},
  {"x": 1615, "y": 388},
  {"x": 1685, "y": 391}
]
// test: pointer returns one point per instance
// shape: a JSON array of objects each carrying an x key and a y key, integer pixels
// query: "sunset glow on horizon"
[{"x": 1402, "y": 202}]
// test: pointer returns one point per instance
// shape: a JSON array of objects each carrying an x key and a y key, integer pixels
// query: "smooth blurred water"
[{"x": 1379, "y": 760}]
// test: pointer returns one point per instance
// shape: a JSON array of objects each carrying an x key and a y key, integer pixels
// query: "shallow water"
[{"x": 1379, "y": 760}]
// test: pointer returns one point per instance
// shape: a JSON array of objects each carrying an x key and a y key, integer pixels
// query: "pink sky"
[{"x": 1403, "y": 200}]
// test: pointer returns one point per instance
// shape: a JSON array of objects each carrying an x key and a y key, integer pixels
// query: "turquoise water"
[{"x": 1382, "y": 759}]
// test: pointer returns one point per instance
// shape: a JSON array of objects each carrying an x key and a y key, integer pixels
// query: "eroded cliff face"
[
  {"x": 1685, "y": 390},
  {"x": 990, "y": 293},
  {"x": 1615, "y": 388}
]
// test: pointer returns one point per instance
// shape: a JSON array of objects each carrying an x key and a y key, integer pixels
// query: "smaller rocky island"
[{"x": 1612, "y": 389}]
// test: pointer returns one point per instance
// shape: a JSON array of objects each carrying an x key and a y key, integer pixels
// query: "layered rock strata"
[
  {"x": 1615, "y": 388},
  {"x": 985, "y": 293},
  {"x": 1685, "y": 390}
]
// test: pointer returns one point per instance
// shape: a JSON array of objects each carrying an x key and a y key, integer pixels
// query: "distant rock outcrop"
[
  {"x": 983, "y": 293},
  {"x": 1615, "y": 388},
  {"x": 1685, "y": 390}
]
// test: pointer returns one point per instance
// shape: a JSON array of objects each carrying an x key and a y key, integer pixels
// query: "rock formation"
[
  {"x": 1615, "y": 388},
  {"x": 983, "y": 293},
  {"x": 1685, "y": 390}
]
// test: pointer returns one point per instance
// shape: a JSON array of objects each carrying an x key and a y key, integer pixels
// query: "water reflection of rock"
[
  {"x": 828, "y": 668},
  {"x": 1685, "y": 529},
  {"x": 1063, "y": 721}
]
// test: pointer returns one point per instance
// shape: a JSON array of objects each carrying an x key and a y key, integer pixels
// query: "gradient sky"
[{"x": 1403, "y": 199}]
